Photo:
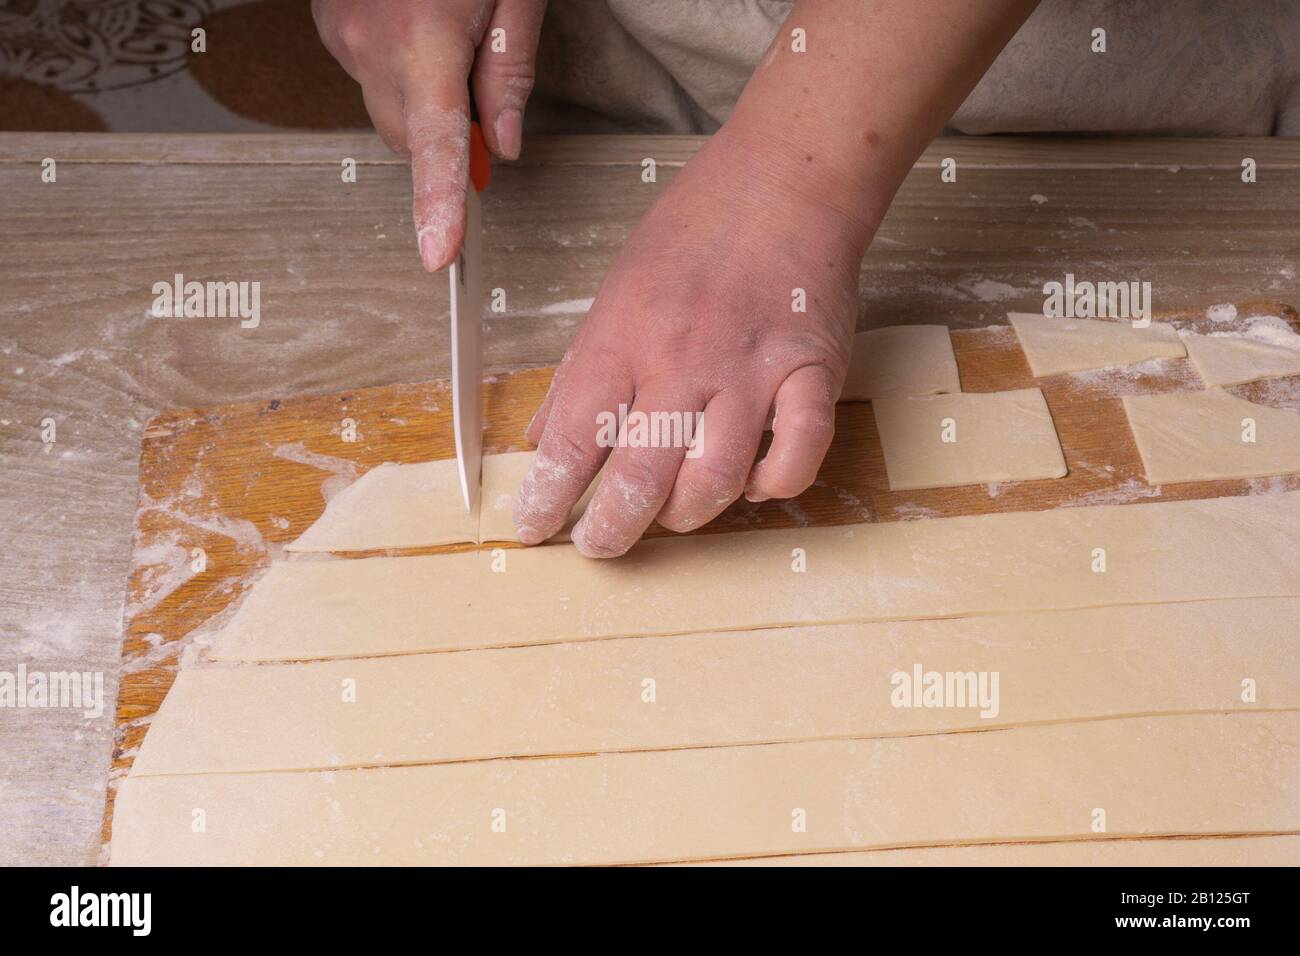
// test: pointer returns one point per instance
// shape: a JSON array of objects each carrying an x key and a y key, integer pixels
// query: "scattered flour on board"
[
  {"x": 1266, "y": 329},
  {"x": 1131, "y": 489},
  {"x": 1127, "y": 379},
  {"x": 567, "y": 307},
  {"x": 860, "y": 510},
  {"x": 163, "y": 566},
  {"x": 791, "y": 507},
  {"x": 1221, "y": 313},
  {"x": 1280, "y": 393},
  {"x": 1038, "y": 199},
  {"x": 1275, "y": 485},
  {"x": 1000, "y": 333},
  {"x": 344, "y": 471},
  {"x": 989, "y": 290},
  {"x": 910, "y": 512},
  {"x": 187, "y": 650}
]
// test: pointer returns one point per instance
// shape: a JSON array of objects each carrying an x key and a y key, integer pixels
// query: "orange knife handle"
[{"x": 480, "y": 163}]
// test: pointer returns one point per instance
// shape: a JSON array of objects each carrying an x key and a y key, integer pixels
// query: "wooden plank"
[
  {"x": 1004, "y": 152},
  {"x": 239, "y": 481},
  {"x": 337, "y": 261}
]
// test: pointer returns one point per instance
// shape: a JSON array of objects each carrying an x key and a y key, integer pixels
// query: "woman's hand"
[
  {"x": 415, "y": 61},
  {"x": 700, "y": 312}
]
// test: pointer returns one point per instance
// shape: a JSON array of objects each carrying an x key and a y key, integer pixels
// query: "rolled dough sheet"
[
  {"x": 736, "y": 687},
  {"x": 1233, "y": 360},
  {"x": 1197, "y": 436},
  {"x": 1204, "y": 774},
  {"x": 394, "y": 506},
  {"x": 901, "y": 360},
  {"x": 996, "y": 436},
  {"x": 411, "y": 506},
  {"x": 1073, "y": 345},
  {"x": 1200, "y": 851},
  {"x": 946, "y": 567}
]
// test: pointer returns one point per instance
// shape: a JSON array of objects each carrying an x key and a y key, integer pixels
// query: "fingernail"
[
  {"x": 433, "y": 249},
  {"x": 756, "y": 497},
  {"x": 528, "y": 536},
  {"x": 510, "y": 133}
]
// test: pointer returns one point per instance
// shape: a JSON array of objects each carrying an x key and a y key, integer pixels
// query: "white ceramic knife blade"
[{"x": 466, "y": 274}]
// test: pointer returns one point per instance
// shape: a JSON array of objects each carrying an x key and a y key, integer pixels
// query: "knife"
[{"x": 466, "y": 276}]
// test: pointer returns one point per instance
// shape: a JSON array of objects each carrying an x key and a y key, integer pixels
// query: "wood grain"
[
  {"x": 1003, "y": 152},
  {"x": 202, "y": 469}
]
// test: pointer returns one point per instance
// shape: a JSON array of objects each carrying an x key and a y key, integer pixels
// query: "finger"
[
  {"x": 436, "y": 117},
  {"x": 538, "y": 424},
  {"x": 638, "y": 478},
  {"x": 338, "y": 25},
  {"x": 503, "y": 73},
  {"x": 384, "y": 104},
  {"x": 713, "y": 473},
  {"x": 801, "y": 433},
  {"x": 568, "y": 452}
]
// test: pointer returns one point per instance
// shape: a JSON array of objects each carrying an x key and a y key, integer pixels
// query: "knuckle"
[
  {"x": 565, "y": 447},
  {"x": 784, "y": 486},
  {"x": 597, "y": 538},
  {"x": 710, "y": 484},
  {"x": 812, "y": 423},
  {"x": 637, "y": 482},
  {"x": 352, "y": 27}
]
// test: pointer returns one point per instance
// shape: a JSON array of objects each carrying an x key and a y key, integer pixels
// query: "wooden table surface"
[{"x": 345, "y": 305}]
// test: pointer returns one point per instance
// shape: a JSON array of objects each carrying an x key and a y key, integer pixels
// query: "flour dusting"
[
  {"x": 568, "y": 307},
  {"x": 344, "y": 471},
  {"x": 1221, "y": 313},
  {"x": 1131, "y": 489}
]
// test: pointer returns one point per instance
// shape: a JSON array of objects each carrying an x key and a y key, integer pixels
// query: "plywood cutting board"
[{"x": 239, "y": 481}]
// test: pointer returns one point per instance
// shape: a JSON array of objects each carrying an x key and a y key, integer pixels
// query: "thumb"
[
  {"x": 801, "y": 435},
  {"x": 503, "y": 72}
]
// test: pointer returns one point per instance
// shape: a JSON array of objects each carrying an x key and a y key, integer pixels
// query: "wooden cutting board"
[{"x": 239, "y": 481}]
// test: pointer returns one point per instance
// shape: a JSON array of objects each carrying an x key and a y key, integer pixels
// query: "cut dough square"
[
  {"x": 1234, "y": 360},
  {"x": 901, "y": 360},
  {"x": 1054, "y": 345},
  {"x": 420, "y": 505},
  {"x": 1198, "y": 436},
  {"x": 942, "y": 441}
]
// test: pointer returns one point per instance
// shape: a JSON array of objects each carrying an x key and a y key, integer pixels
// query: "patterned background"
[{"x": 127, "y": 65}]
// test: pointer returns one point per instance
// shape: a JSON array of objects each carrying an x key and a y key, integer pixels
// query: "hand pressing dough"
[
  {"x": 1203, "y": 851},
  {"x": 1233, "y": 360},
  {"x": 942, "y": 441},
  {"x": 1217, "y": 774},
  {"x": 738, "y": 687},
  {"x": 946, "y": 567},
  {"x": 1054, "y": 345},
  {"x": 411, "y": 506},
  {"x": 1197, "y": 436},
  {"x": 901, "y": 360},
  {"x": 502, "y": 476}
]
